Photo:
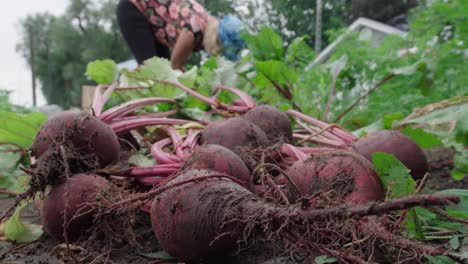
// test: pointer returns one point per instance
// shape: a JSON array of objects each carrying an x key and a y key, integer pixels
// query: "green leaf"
[
  {"x": 388, "y": 119},
  {"x": 214, "y": 72},
  {"x": 299, "y": 53},
  {"x": 10, "y": 178},
  {"x": 266, "y": 45},
  {"x": 440, "y": 260},
  {"x": 432, "y": 221},
  {"x": 102, "y": 71},
  {"x": 277, "y": 71},
  {"x": 376, "y": 126},
  {"x": 462, "y": 256},
  {"x": 195, "y": 113},
  {"x": 413, "y": 225},
  {"x": 8, "y": 158},
  {"x": 386, "y": 122},
  {"x": 155, "y": 68},
  {"x": 19, "y": 129},
  {"x": 141, "y": 160},
  {"x": 422, "y": 138},
  {"x": 460, "y": 210},
  {"x": 461, "y": 165},
  {"x": 455, "y": 242},
  {"x": 324, "y": 259},
  {"x": 406, "y": 70},
  {"x": 394, "y": 175},
  {"x": 17, "y": 231},
  {"x": 461, "y": 131},
  {"x": 188, "y": 78}
]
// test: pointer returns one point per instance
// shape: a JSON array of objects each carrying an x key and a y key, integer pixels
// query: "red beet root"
[
  {"x": 72, "y": 198},
  {"x": 272, "y": 121},
  {"x": 395, "y": 143},
  {"x": 235, "y": 134},
  {"x": 200, "y": 215},
  {"x": 204, "y": 219},
  {"x": 83, "y": 131},
  {"x": 220, "y": 159},
  {"x": 349, "y": 175}
]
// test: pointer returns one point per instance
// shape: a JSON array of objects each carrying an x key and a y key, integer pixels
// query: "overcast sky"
[{"x": 14, "y": 74}]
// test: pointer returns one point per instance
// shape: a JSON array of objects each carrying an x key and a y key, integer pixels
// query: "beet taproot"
[
  {"x": 83, "y": 131},
  {"x": 272, "y": 121},
  {"x": 196, "y": 222},
  {"x": 395, "y": 143},
  {"x": 68, "y": 205},
  {"x": 350, "y": 176},
  {"x": 199, "y": 216}
]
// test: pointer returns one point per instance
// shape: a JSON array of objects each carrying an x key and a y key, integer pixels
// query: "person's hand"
[{"x": 182, "y": 49}]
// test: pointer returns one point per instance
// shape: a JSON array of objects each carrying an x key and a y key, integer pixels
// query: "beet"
[
  {"x": 348, "y": 175},
  {"x": 185, "y": 227},
  {"x": 395, "y": 143},
  {"x": 201, "y": 215},
  {"x": 235, "y": 134},
  {"x": 204, "y": 219},
  {"x": 272, "y": 121},
  {"x": 85, "y": 132},
  {"x": 218, "y": 158},
  {"x": 78, "y": 191}
]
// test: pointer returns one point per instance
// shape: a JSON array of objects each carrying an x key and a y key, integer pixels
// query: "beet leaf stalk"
[
  {"x": 129, "y": 107},
  {"x": 335, "y": 130}
]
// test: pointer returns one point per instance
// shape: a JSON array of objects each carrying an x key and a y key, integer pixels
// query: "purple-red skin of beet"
[
  {"x": 84, "y": 131},
  {"x": 395, "y": 143},
  {"x": 361, "y": 180},
  {"x": 82, "y": 189},
  {"x": 221, "y": 159},
  {"x": 234, "y": 133},
  {"x": 272, "y": 121},
  {"x": 175, "y": 212}
]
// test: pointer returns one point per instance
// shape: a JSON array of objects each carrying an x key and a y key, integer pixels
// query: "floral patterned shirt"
[{"x": 169, "y": 17}]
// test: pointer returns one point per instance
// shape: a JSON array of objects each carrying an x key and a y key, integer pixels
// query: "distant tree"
[
  {"x": 300, "y": 16},
  {"x": 291, "y": 18},
  {"x": 380, "y": 10},
  {"x": 63, "y": 45}
]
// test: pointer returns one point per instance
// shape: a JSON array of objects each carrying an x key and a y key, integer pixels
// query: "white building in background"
[{"x": 368, "y": 29}]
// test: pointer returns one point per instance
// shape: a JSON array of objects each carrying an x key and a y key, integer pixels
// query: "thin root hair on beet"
[
  {"x": 83, "y": 131},
  {"x": 343, "y": 175},
  {"x": 66, "y": 213},
  {"x": 205, "y": 217}
]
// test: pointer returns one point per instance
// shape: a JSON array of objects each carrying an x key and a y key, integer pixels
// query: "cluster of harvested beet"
[{"x": 227, "y": 182}]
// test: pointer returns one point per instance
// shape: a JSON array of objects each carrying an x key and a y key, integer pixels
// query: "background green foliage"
[
  {"x": 429, "y": 63},
  {"x": 88, "y": 31},
  {"x": 64, "y": 44}
]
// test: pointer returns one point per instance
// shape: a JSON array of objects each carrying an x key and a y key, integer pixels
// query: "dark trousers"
[{"x": 138, "y": 33}]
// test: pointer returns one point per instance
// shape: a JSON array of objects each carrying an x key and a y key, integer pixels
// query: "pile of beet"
[{"x": 256, "y": 173}]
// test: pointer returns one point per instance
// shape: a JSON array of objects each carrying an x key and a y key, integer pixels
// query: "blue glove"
[{"x": 229, "y": 33}]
